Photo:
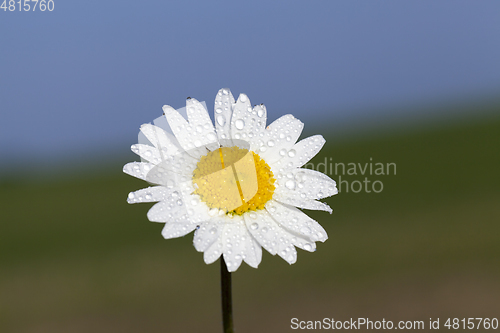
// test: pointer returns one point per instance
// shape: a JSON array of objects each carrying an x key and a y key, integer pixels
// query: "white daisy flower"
[{"x": 238, "y": 185}]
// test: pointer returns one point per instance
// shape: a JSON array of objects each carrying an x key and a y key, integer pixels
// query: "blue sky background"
[{"x": 86, "y": 76}]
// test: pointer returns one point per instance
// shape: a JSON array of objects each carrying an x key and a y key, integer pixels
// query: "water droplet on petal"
[
  {"x": 179, "y": 202},
  {"x": 218, "y": 110},
  {"x": 239, "y": 124},
  {"x": 221, "y": 120},
  {"x": 290, "y": 184},
  {"x": 243, "y": 97},
  {"x": 264, "y": 230},
  {"x": 213, "y": 231},
  {"x": 254, "y": 226},
  {"x": 283, "y": 152},
  {"x": 131, "y": 195},
  {"x": 305, "y": 230},
  {"x": 292, "y": 153},
  {"x": 199, "y": 128},
  {"x": 260, "y": 113},
  {"x": 307, "y": 247},
  {"x": 211, "y": 137},
  {"x": 270, "y": 143}
]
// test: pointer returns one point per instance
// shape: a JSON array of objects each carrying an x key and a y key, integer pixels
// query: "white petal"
[
  {"x": 286, "y": 250},
  {"x": 303, "y": 152},
  {"x": 150, "y": 194},
  {"x": 207, "y": 234},
  {"x": 166, "y": 143},
  {"x": 169, "y": 211},
  {"x": 275, "y": 239},
  {"x": 234, "y": 238},
  {"x": 174, "y": 230},
  {"x": 247, "y": 122},
  {"x": 147, "y": 153},
  {"x": 213, "y": 252},
  {"x": 177, "y": 168},
  {"x": 138, "y": 169},
  {"x": 301, "y": 187},
  {"x": 203, "y": 129},
  {"x": 263, "y": 228},
  {"x": 279, "y": 138},
  {"x": 194, "y": 134},
  {"x": 301, "y": 203},
  {"x": 223, "y": 111},
  {"x": 253, "y": 251},
  {"x": 296, "y": 221}
]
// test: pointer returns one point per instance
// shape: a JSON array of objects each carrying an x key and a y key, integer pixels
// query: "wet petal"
[
  {"x": 302, "y": 152},
  {"x": 138, "y": 169},
  {"x": 223, "y": 112},
  {"x": 296, "y": 221},
  {"x": 174, "y": 230},
  {"x": 279, "y": 138},
  {"x": 207, "y": 234},
  {"x": 150, "y": 194},
  {"x": 247, "y": 123}
]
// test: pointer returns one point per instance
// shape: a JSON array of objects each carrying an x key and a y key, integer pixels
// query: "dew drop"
[
  {"x": 239, "y": 124},
  {"x": 290, "y": 184},
  {"x": 283, "y": 152},
  {"x": 253, "y": 215},
  {"x": 218, "y": 110},
  {"x": 320, "y": 194},
  {"x": 260, "y": 113},
  {"x": 243, "y": 97},
  {"x": 221, "y": 120},
  {"x": 131, "y": 195},
  {"x": 179, "y": 202},
  {"x": 211, "y": 137},
  {"x": 199, "y": 128},
  {"x": 254, "y": 226},
  {"x": 149, "y": 196},
  {"x": 305, "y": 230},
  {"x": 292, "y": 153},
  {"x": 270, "y": 143},
  {"x": 237, "y": 136},
  {"x": 213, "y": 231},
  {"x": 264, "y": 230}
]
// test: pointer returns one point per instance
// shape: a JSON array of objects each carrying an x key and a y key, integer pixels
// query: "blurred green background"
[{"x": 75, "y": 257}]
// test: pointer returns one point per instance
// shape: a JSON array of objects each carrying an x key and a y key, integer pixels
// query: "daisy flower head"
[{"x": 238, "y": 185}]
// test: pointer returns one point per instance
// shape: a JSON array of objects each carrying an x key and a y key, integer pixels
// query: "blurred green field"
[{"x": 75, "y": 257}]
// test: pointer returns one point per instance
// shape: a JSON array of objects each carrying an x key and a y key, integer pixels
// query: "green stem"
[{"x": 227, "y": 302}]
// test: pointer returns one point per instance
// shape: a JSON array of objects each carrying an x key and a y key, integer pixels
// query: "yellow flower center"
[{"x": 233, "y": 180}]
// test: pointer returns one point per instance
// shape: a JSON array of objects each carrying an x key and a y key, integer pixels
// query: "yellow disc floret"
[{"x": 233, "y": 180}]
